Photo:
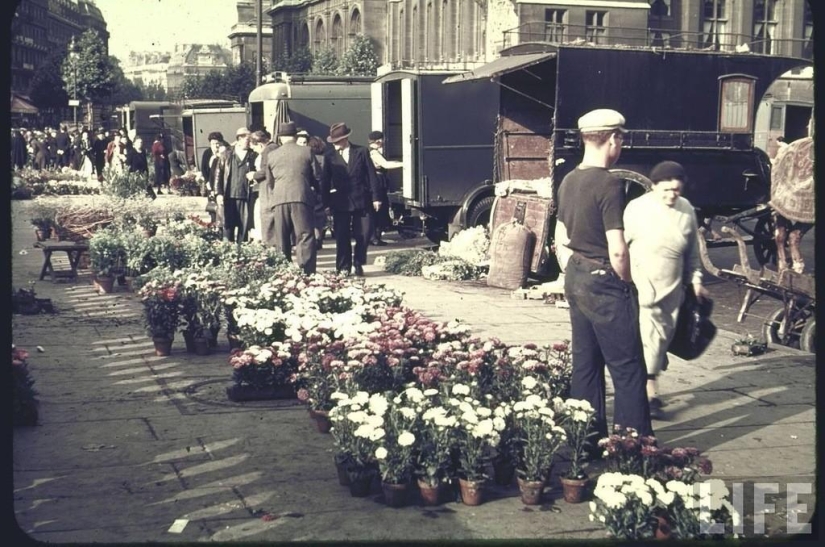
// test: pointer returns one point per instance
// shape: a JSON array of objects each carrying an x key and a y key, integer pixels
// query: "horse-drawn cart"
[{"x": 793, "y": 323}]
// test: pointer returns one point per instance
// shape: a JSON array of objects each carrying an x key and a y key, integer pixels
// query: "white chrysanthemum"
[
  {"x": 469, "y": 417},
  {"x": 406, "y": 439},
  {"x": 414, "y": 394},
  {"x": 528, "y": 382},
  {"x": 377, "y": 434},
  {"x": 407, "y": 412},
  {"x": 338, "y": 395},
  {"x": 380, "y": 453},
  {"x": 361, "y": 398},
  {"x": 378, "y": 404},
  {"x": 364, "y": 431},
  {"x": 535, "y": 401},
  {"x": 460, "y": 389},
  {"x": 484, "y": 412},
  {"x": 374, "y": 420},
  {"x": 430, "y": 392},
  {"x": 484, "y": 428},
  {"x": 357, "y": 417}
]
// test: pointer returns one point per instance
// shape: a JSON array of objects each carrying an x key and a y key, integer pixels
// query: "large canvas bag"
[{"x": 511, "y": 251}]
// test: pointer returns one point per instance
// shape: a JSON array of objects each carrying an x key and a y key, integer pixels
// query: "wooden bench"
[{"x": 72, "y": 249}]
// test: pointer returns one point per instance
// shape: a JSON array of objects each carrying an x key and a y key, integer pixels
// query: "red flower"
[{"x": 303, "y": 395}]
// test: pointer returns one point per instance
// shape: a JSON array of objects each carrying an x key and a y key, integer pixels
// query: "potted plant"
[
  {"x": 107, "y": 256},
  {"x": 356, "y": 429},
  {"x": 435, "y": 440},
  {"x": 262, "y": 372},
  {"x": 626, "y": 505},
  {"x": 577, "y": 419},
  {"x": 536, "y": 442},
  {"x": 395, "y": 450},
  {"x": 160, "y": 299},
  {"x": 42, "y": 218},
  {"x": 148, "y": 223},
  {"x": 476, "y": 437}
]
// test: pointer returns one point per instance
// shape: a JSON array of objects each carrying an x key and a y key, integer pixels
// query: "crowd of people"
[{"x": 284, "y": 192}]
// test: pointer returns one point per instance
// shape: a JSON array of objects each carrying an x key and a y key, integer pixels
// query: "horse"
[{"x": 793, "y": 200}]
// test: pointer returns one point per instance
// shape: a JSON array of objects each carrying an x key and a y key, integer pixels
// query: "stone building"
[
  {"x": 195, "y": 60},
  {"x": 244, "y": 33},
  {"x": 41, "y": 26},
  {"x": 463, "y": 33},
  {"x": 147, "y": 68}
]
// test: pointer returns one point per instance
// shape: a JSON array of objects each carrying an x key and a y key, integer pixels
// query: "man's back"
[{"x": 290, "y": 175}]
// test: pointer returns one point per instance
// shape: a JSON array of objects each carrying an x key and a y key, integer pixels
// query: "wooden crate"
[{"x": 536, "y": 213}]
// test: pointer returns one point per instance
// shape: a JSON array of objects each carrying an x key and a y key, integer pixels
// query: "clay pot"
[
  {"x": 359, "y": 485},
  {"x": 396, "y": 495},
  {"x": 189, "y": 341},
  {"x": 322, "y": 422},
  {"x": 574, "y": 489},
  {"x": 530, "y": 491},
  {"x": 43, "y": 235},
  {"x": 163, "y": 346},
  {"x": 105, "y": 284},
  {"x": 430, "y": 495},
  {"x": 472, "y": 492},
  {"x": 201, "y": 345}
]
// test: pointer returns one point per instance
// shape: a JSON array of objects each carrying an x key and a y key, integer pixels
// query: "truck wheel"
[
  {"x": 635, "y": 184},
  {"x": 807, "y": 342},
  {"x": 479, "y": 214}
]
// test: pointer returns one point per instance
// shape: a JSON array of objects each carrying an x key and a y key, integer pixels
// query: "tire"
[
  {"x": 772, "y": 332},
  {"x": 479, "y": 214},
  {"x": 635, "y": 184},
  {"x": 791, "y": 335},
  {"x": 764, "y": 244},
  {"x": 807, "y": 341}
]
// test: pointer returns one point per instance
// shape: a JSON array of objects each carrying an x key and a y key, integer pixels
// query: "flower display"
[
  {"x": 435, "y": 439},
  {"x": 626, "y": 505},
  {"x": 577, "y": 419},
  {"x": 160, "y": 298},
  {"x": 537, "y": 436},
  {"x": 476, "y": 436}
]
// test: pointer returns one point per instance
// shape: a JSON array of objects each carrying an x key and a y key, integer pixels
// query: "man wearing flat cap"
[
  {"x": 348, "y": 170},
  {"x": 288, "y": 199},
  {"x": 381, "y": 217},
  {"x": 233, "y": 188},
  {"x": 591, "y": 248}
]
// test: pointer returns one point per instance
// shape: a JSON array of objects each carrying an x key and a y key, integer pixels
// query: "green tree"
[
  {"x": 47, "y": 89},
  {"x": 325, "y": 62},
  {"x": 124, "y": 90},
  {"x": 360, "y": 58},
  {"x": 152, "y": 91},
  {"x": 95, "y": 73},
  {"x": 300, "y": 62}
]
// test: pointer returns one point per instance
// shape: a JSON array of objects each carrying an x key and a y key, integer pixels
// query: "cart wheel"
[
  {"x": 635, "y": 184},
  {"x": 791, "y": 335},
  {"x": 808, "y": 340},
  {"x": 764, "y": 244},
  {"x": 772, "y": 331}
]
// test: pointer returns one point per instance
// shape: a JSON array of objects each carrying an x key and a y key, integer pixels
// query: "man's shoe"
[
  {"x": 379, "y": 243},
  {"x": 359, "y": 271}
]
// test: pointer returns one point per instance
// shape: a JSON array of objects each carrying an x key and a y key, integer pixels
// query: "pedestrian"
[
  {"x": 87, "y": 159},
  {"x": 41, "y": 152},
  {"x": 217, "y": 167},
  {"x": 593, "y": 254},
  {"x": 76, "y": 154},
  {"x": 62, "y": 147},
  {"x": 233, "y": 188},
  {"x": 137, "y": 162},
  {"x": 214, "y": 138},
  {"x": 19, "y": 152},
  {"x": 99, "y": 147},
  {"x": 662, "y": 236},
  {"x": 178, "y": 166},
  {"x": 318, "y": 148},
  {"x": 50, "y": 141},
  {"x": 288, "y": 203},
  {"x": 161, "y": 162},
  {"x": 262, "y": 143},
  {"x": 381, "y": 217},
  {"x": 350, "y": 190},
  {"x": 111, "y": 147}
]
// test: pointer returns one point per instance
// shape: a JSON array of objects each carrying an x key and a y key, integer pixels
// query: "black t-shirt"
[{"x": 591, "y": 201}]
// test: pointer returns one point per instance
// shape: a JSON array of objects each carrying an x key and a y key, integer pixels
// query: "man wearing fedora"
[
  {"x": 233, "y": 188},
  {"x": 350, "y": 188},
  {"x": 288, "y": 199},
  {"x": 592, "y": 251}
]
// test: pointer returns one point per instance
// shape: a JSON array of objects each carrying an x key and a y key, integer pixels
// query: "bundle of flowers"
[
  {"x": 24, "y": 402},
  {"x": 395, "y": 450},
  {"x": 264, "y": 367},
  {"x": 186, "y": 184},
  {"x": 537, "y": 436},
  {"x": 628, "y": 452},
  {"x": 453, "y": 269},
  {"x": 200, "y": 301},
  {"x": 160, "y": 298},
  {"x": 632, "y": 507},
  {"x": 471, "y": 245},
  {"x": 411, "y": 261}
]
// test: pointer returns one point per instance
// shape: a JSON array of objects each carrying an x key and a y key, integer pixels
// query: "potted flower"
[
  {"x": 395, "y": 451},
  {"x": 42, "y": 218},
  {"x": 476, "y": 437},
  {"x": 160, "y": 299},
  {"x": 356, "y": 428},
  {"x": 536, "y": 442},
  {"x": 107, "y": 257},
  {"x": 435, "y": 440},
  {"x": 689, "y": 511},
  {"x": 626, "y": 506},
  {"x": 577, "y": 418},
  {"x": 261, "y": 373}
]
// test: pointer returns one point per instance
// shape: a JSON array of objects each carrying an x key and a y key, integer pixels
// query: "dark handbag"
[
  {"x": 211, "y": 204},
  {"x": 694, "y": 330}
]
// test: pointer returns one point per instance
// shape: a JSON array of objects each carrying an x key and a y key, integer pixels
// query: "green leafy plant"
[
  {"x": 124, "y": 185},
  {"x": 537, "y": 438},
  {"x": 577, "y": 418},
  {"x": 107, "y": 253},
  {"x": 360, "y": 58},
  {"x": 41, "y": 214},
  {"x": 161, "y": 301}
]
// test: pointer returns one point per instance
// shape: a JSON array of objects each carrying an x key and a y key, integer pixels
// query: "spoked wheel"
[
  {"x": 791, "y": 332},
  {"x": 635, "y": 184},
  {"x": 808, "y": 340},
  {"x": 764, "y": 244}
]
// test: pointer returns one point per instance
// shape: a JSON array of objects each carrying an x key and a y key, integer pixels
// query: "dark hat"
[
  {"x": 287, "y": 129},
  {"x": 338, "y": 131},
  {"x": 602, "y": 119},
  {"x": 375, "y": 136},
  {"x": 668, "y": 170}
]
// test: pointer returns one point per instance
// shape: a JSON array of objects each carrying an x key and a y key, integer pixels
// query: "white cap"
[{"x": 602, "y": 119}]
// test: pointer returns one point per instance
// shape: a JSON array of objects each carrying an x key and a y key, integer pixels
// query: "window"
[
  {"x": 764, "y": 25},
  {"x": 320, "y": 35},
  {"x": 808, "y": 32},
  {"x": 554, "y": 25},
  {"x": 337, "y": 37},
  {"x": 660, "y": 8},
  {"x": 596, "y": 26},
  {"x": 736, "y": 103},
  {"x": 714, "y": 23},
  {"x": 776, "y": 118},
  {"x": 355, "y": 22}
]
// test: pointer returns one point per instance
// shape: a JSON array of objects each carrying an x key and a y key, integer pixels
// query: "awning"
[
  {"x": 19, "y": 105},
  {"x": 500, "y": 66}
]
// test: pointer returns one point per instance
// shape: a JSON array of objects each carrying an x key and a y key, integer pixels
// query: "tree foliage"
[
  {"x": 233, "y": 83},
  {"x": 152, "y": 91},
  {"x": 123, "y": 90},
  {"x": 360, "y": 58},
  {"x": 325, "y": 62},
  {"x": 95, "y": 73},
  {"x": 47, "y": 89},
  {"x": 300, "y": 62}
]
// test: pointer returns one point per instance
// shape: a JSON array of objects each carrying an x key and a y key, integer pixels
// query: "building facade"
[
  {"x": 195, "y": 60},
  {"x": 457, "y": 34},
  {"x": 244, "y": 34},
  {"x": 42, "y": 26},
  {"x": 147, "y": 68}
]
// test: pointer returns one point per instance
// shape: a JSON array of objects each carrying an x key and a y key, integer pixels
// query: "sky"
[{"x": 157, "y": 25}]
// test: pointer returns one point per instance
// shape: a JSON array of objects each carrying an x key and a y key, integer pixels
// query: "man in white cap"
[
  {"x": 233, "y": 188},
  {"x": 604, "y": 311}
]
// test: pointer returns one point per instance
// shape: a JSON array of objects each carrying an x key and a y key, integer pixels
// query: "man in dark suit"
[
  {"x": 99, "y": 149},
  {"x": 350, "y": 188},
  {"x": 62, "y": 145},
  {"x": 288, "y": 199},
  {"x": 233, "y": 188},
  {"x": 215, "y": 138}
]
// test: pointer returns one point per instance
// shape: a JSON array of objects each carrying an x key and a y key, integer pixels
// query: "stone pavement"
[{"x": 129, "y": 443}]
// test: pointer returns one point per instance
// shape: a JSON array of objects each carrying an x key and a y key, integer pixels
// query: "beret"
[
  {"x": 375, "y": 136},
  {"x": 602, "y": 119},
  {"x": 667, "y": 170}
]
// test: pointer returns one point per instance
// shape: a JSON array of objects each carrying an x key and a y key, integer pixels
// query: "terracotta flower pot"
[
  {"x": 472, "y": 492},
  {"x": 322, "y": 421},
  {"x": 189, "y": 341},
  {"x": 574, "y": 489},
  {"x": 105, "y": 284},
  {"x": 396, "y": 495},
  {"x": 201, "y": 345},
  {"x": 163, "y": 346},
  {"x": 530, "y": 491},
  {"x": 430, "y": 495},
  {"x": 43, "y": 235},
  {"x": 360, "y": 484}
]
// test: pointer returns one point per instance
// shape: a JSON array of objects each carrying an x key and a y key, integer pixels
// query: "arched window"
[
  {"x": 303, "y": 35},
  {"x": 337, "y": 37},
  {"x": 320, "y": 35},
  {"x": 355, "y": 22}
]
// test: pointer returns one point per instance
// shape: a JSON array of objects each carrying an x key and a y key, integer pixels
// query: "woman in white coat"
[{"x": 661, "y": 232}]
